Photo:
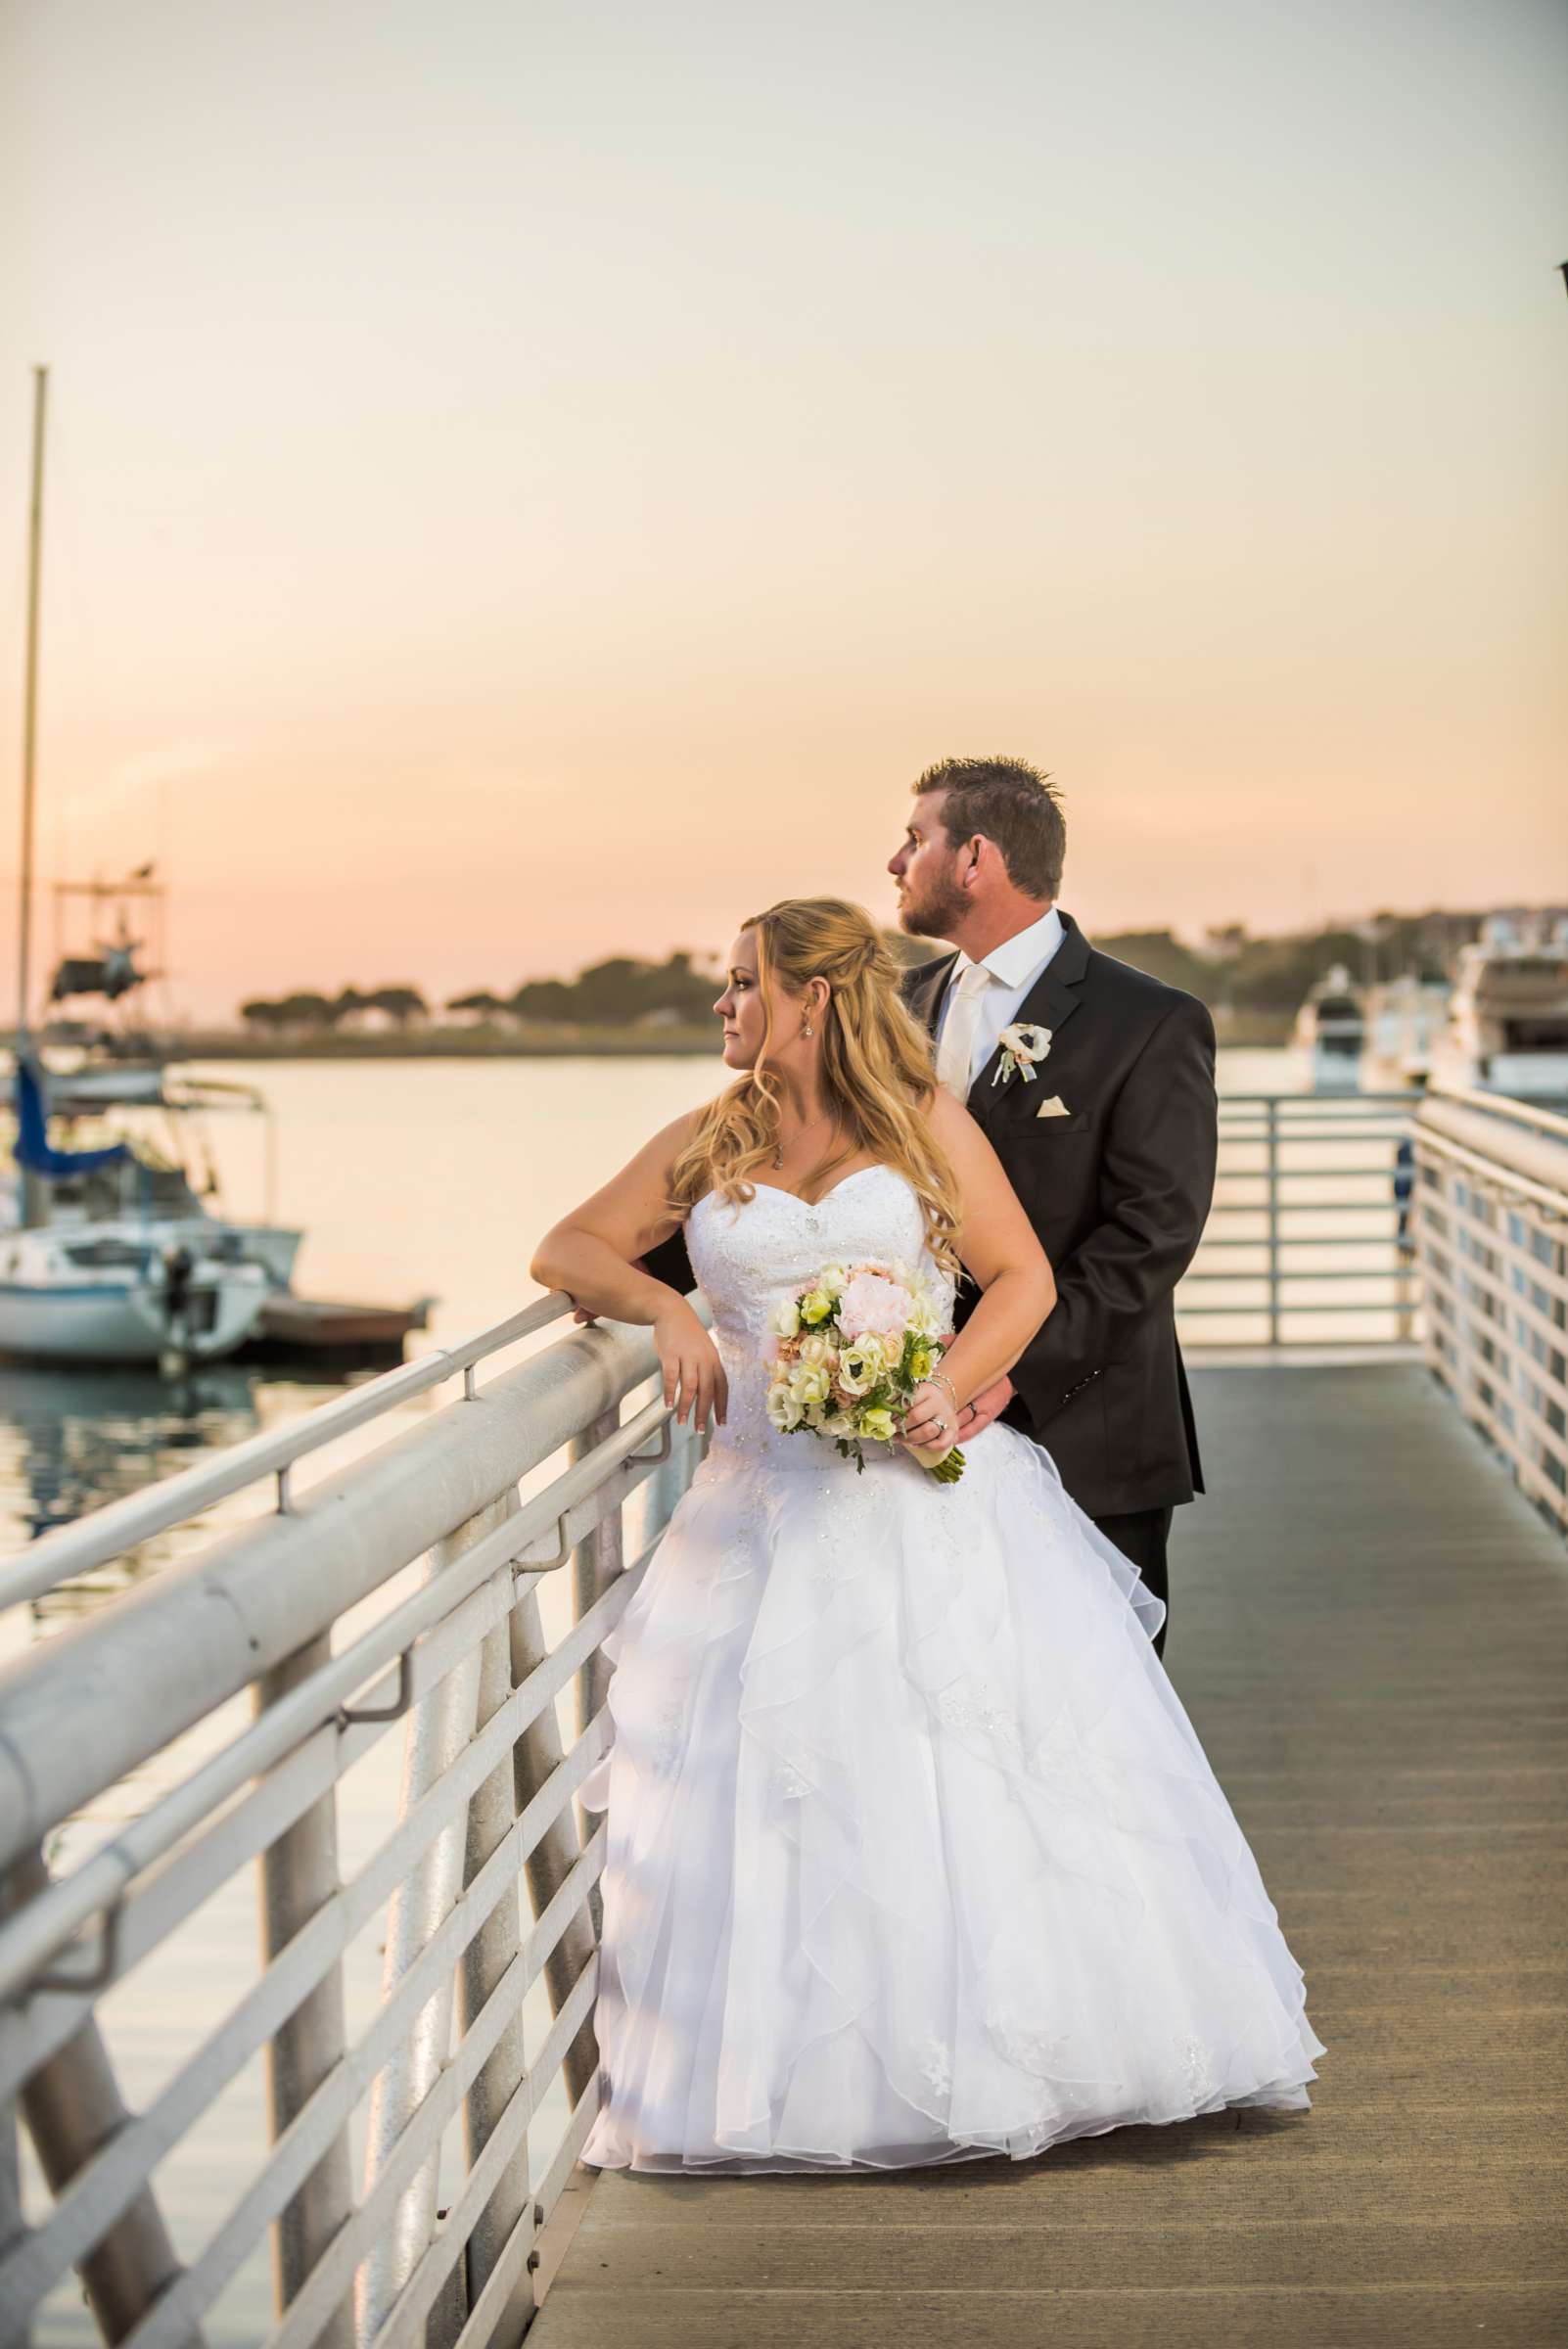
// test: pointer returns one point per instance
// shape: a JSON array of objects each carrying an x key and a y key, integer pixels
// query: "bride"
[{"x": 913, "y": 1853}]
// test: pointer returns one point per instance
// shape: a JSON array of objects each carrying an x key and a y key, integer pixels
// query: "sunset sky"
[{"x": 528, "y": 482}]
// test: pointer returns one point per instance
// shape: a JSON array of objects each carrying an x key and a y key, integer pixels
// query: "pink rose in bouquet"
[{"x": 874, "y": 1306}]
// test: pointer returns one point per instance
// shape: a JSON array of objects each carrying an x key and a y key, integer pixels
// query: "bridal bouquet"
[{"x": 850, "y": 1351}]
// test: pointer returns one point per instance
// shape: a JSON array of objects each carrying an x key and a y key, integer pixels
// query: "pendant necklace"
[{"x": 778, "y": 1154}]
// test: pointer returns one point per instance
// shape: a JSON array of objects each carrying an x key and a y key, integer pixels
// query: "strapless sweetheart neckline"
[{"x": 779, "y": 1191}]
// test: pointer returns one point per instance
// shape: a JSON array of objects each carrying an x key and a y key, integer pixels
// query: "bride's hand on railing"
[{"x": 694, "y": 1376}]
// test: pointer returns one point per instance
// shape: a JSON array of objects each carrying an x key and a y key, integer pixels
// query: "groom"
[{"x": 1111, "y": 1148}]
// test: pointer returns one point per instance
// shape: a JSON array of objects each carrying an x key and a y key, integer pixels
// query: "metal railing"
[
  {"x": 1492, "y": 1219},
  {"x": 1308, "y": 1240},
  {"x": 426, "y": 2101},
  {"x": 402, "y": 1589}
]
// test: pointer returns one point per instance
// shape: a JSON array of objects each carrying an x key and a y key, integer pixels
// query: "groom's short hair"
[{"x": 1011, "y": 803}]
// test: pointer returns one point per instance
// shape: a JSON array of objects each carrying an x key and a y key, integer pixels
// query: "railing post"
[
  {"x": 1272, "y": 1163},
  {"x": 537, "y": 1753},
  {"x": 299, "y": 1876},
  {"x": 437, "y": 1734},
  {"x": 73, "y": 2107},
  {"x": 12, "y": 2229},
  {"x": 595, "y": 1564},
  {"x": 490, "y": 1816},
  {"x": 669, "y": 1481},
  {"x": 1407, "y": 1214}
]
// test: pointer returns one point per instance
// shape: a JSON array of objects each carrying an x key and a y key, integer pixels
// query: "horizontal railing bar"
[
  {"x": 1511, "y": 1260},
  {"x": 30, "y": 2032},
  {"x": 99, "y": 2194},
  {"x": 1351, "y": 1134},
  {"x": 1259, "y": 1307},
  {"x": 490, "y": 2307},
  {"x": 198, "y": 1634},
  {"x": 405, "y": 2321},
  {"x": 1317, "y": 1104},
  {"x": 301, "y": 2145},
  {"x": 1302, "y": 1273},
  {"x": 1506, "y": 1440},
  {"x": 1263, "y": 1135},
  {"x": 1337, "y": 1240},
  {"x": 35, "y": 1933},
  {"x": 1492, "y": 1171},
  {"x": 1501, "y": 1335},
  {"x": 1550, "y": 1121},
  {"x": 585, "y": 1482},
  {"x": 1495, "y": 1241},
  {"x": 553, "y": 2183},
  {"x": 405, "y": 2324},
  {"x": 333, "y": 2272},
  {"x": 120, "y": 1525},
  {"x": 1497, "y": 1376},
  {"x": 26, "y": 2049},
  {"x": 1552, "y": 1333},
  {"x": 1277, "y": 1176},
  {"x": 1467, "y": 1328},
  {"x": 150, "y": 1912}
]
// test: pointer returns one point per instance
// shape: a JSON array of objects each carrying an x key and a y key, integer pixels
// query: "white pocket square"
[{"x": 1055, "y": 1107}]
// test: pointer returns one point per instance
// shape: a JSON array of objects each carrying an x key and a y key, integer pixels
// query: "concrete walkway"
[{"x": 1370, "y": 1631}]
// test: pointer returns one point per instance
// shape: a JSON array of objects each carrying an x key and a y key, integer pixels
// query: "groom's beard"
[{"x": 936, "y": 913}]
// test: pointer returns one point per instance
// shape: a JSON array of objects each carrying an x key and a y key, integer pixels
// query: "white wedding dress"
[{"x": 913, "y": 1853}]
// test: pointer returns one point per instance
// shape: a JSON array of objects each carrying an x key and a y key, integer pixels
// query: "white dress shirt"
[{"x": 1014, "y": 966}]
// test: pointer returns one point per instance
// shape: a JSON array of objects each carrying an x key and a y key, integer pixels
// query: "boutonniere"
[{"x": 1024, "y": 1047}]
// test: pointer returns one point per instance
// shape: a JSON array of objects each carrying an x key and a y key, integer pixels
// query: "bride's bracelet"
[{"x": 940, "y": 1378}]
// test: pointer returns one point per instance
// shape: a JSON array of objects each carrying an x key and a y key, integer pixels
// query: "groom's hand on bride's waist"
[{"x": 983, "y": 1407}]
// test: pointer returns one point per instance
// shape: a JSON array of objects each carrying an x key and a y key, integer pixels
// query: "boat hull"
[{"x": 124, "y": 1321}]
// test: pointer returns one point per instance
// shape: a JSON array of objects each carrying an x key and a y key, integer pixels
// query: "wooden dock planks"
[{"x": 1370, "y": 1631}]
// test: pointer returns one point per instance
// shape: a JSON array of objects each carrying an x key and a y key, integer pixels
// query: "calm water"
[{"x": 409, "y": 1178}]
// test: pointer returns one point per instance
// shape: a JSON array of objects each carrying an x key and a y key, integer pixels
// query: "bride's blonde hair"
[{"x": 876, "y": 1068}]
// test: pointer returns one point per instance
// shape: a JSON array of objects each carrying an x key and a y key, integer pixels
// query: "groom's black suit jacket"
[{"x": 1118, "y": 1191}]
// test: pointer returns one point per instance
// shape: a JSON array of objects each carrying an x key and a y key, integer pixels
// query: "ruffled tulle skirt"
[{"x": 913, "y": 1853}]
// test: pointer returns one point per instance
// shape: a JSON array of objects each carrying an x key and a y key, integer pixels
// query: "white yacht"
[
  {"x": 1330, "y": 1033},
  {"x": 121, "y": 1292},
  {"x": 1507, "y": 1030},
  {"x": 1404, "y": 1018}
]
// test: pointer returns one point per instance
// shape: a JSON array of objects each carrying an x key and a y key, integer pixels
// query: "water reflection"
[{"x": 72, "y": 1440}]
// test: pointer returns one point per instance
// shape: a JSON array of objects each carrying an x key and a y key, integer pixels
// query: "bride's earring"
[{"x": 806, "y": 1028}]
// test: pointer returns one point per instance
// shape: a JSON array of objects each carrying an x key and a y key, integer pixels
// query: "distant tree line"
[
  {"x": 609, "y": 994},
  {"x": 1258, "y": 975},
  {"x": 1271, "y": 975}
]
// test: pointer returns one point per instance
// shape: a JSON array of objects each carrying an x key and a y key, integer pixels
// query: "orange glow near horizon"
[{"x": 543, "y": 489}]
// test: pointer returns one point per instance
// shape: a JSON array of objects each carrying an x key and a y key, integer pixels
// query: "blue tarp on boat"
[{"x": 32, "y": 1149}]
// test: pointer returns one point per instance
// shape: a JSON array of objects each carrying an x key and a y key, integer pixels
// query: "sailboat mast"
[{"x": 29, "y": 704}]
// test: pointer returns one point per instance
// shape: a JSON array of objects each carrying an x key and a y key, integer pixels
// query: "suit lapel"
[
  {"x": 1049, "y": 1003},
  {"x": 925, "y": 989}
]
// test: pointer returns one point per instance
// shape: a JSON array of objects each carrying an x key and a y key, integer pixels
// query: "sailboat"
[
  {"x": 113, "y": 1254},
  {"x": 97, "y": 1288},
  {"x": 119, "y": 1289}
]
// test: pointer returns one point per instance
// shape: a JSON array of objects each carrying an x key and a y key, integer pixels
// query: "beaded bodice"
[{"x": 748, "y": 1257}]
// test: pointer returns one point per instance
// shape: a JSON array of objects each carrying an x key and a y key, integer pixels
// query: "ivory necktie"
[{"x": 957, "y": 1049}]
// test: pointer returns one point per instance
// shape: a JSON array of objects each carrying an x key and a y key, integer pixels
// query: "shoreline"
[{"x": 1260, "y": 1031}]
